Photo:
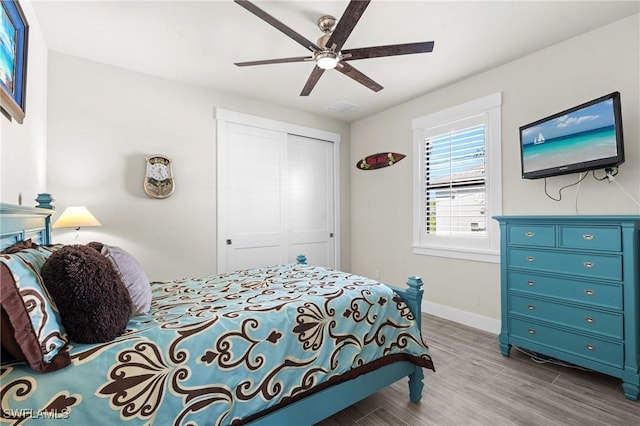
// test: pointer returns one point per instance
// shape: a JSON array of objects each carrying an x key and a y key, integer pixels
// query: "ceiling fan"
[{"x": 327, "y": 52}]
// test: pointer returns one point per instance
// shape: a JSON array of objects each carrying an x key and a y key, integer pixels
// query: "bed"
[{"x": 285, "y": 344}]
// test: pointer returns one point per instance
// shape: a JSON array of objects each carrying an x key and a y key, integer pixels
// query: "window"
[{"x": 458, "y": 181}]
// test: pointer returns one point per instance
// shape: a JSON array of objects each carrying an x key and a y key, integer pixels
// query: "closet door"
[
  {"x": 275, "y": 198},
  {"x": 310, "y": 199},
  {"x": 251, "y": 203}
]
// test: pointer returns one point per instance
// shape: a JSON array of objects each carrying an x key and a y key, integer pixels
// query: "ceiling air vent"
[{"x": 342, "y": 106}]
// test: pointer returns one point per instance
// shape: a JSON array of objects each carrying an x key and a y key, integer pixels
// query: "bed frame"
[{"x": 19, "y": 223}]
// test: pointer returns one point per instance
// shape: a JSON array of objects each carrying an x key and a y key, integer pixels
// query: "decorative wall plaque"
[{"x": 379, "y": 160}]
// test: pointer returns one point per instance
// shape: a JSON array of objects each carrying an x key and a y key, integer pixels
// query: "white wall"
[
  {"x": 534, "y": 86},
  {"x": 104, "y": 121},
  {"x": 23, "y": 147}
]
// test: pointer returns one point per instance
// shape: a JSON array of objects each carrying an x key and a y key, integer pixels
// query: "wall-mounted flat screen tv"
[{"x": 582, "y": 138}]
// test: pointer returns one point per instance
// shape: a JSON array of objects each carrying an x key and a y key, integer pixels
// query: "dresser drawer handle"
[
  {"x": 531, "y": 331},
  {"x": 590, "y": 320},
  {"x": 590, "y": 347},
  {"x": 531, "y": 283},
  {"x": 588, "y": 264},
  {"x": 531, "y": 307},
  {"x": 589, "y": 292},
  {"x": 588, "y": 237},
  {"x": 529, "y": 234},
  {"x": 530, "y": 258}
]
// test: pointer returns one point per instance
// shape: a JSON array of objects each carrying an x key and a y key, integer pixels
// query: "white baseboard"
[{"x": 463, "y": 317}]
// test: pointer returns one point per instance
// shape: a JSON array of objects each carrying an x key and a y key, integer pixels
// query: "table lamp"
[{"x": 76, "y": 217}]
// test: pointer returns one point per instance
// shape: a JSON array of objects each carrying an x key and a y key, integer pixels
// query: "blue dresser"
[{"x": 570, "y": 290}]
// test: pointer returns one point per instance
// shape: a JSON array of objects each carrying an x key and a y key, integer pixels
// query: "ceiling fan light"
[{"x": 327, "y": 60}]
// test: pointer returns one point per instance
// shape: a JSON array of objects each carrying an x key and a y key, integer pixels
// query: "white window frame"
[{"x": 485, "y": 248}]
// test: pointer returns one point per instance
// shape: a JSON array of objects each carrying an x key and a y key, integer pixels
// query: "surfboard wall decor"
[{"x": 379, "y": 160}]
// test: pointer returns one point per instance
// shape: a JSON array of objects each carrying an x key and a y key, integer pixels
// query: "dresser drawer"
[
  {"x": 607, "y": 238},
  {"x": 532, "y": 235},
  {"x": 584, "y": 264},
  {"x": 584, "y": 318},
  {"x": 591, "y": 347},
  {"x": 593, "y": 293}
]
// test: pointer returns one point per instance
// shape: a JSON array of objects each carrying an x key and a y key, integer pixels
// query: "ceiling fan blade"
[
  {"x": 278, "y": 25},
  {"x": 390, "y": 50},
  {"x": 353, "y": 73},
  {"x": 274, "y": 61},
  {"x": 312, "y": 80},
  {"x": 347, "y": 22}
]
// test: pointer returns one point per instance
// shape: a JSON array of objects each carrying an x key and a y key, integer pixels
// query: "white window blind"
[{"x": 455, "y": 200}]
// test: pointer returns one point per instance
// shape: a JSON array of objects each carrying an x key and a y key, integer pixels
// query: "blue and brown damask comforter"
[{"x": 215, "y": 350}]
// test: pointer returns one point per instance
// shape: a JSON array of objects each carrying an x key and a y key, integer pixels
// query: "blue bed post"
[
  {"x": 414, "y": 301},
  {"x": 414, "y": 298},
  {"x": 45, "y": 201}
]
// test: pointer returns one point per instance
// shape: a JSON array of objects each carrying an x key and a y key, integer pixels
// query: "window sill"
[{"x": 477, "y": 255}]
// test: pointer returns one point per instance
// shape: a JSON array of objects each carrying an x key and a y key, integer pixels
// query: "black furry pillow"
[{"x": 93, "y": 302}]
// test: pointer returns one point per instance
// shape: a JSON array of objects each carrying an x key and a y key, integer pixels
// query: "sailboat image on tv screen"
[{"x": 538, "y": 139}]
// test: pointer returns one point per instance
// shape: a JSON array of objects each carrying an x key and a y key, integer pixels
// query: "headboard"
[{"x": 18, "y": 223}]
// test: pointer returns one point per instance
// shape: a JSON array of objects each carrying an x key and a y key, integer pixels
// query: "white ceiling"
[{"x": 197, "y": 42}]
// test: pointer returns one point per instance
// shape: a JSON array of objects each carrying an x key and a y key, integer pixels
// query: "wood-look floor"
[{"x": 475, "y": 385}]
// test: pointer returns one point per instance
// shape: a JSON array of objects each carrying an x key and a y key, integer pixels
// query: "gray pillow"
[{"x": 133, "y": 277}]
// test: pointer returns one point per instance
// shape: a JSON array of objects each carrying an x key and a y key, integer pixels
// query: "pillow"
[
  {"x": 95, "y": 245},
  {"x": 9, "y": 343},
  {"x": 20, "y": 245},
  {"x": 94, "y": 303},
  {"x": 132, "y": 275},
  {"x": 48, "y": 250},
  {"x": 31, "y": 326}
]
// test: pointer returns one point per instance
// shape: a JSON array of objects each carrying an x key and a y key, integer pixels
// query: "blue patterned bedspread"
[{"x": 216, "y": 349}]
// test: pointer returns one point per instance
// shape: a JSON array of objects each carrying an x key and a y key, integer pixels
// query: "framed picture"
[{"x": 14, "y": 34}]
